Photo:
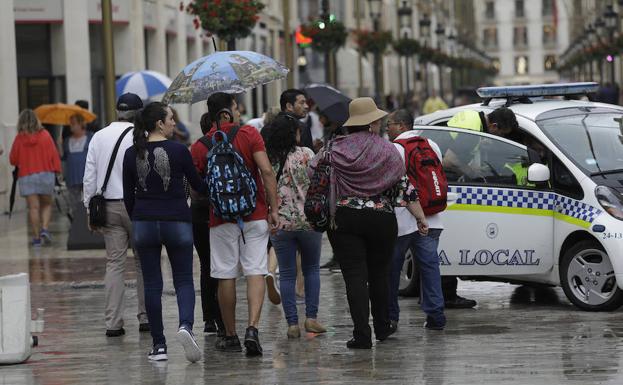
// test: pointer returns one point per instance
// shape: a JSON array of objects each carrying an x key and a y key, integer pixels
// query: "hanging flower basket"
[
  {"x": 406, "y": 46},
  {"x": 372, "y": 41},
  {"x": 227, "y": 19},
  {"x": 326, "y": 36}
]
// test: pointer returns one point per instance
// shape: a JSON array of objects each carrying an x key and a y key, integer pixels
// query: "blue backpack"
[{"x": 231, "y": 187}]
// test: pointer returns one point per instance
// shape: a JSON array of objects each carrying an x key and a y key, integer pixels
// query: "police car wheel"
[
  {"x": 587, "y": 278},
  {"x": 409, "y": 278}
]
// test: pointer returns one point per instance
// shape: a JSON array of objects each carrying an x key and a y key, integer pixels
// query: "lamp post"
[
  {"x": 404, "y": 17},
  {"x": 424, "y": 34},
  {"x": 587, "y": 42},
  {"x": 324, "y": 16},
  {"x": 611, "y": 18},
  {"x": 440, "y": 31},
  {"x": 375, "y": 15},
  {"x": 600, "y": 27},
  {"x": 451, "y": 49}
]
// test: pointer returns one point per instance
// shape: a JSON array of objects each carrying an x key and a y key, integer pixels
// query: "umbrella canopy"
[
  {"x": 60, "y": 113},
  {"x": 331, "y": 102},
  {"x": 227, "y": 71},
  {"x": 145, "y": 84}
]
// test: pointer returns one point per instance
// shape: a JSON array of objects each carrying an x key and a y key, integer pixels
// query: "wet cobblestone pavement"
[{"x": 516, "y": 335}]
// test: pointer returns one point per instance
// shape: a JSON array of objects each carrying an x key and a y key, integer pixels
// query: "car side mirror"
[{"x": 538, "y": 173}]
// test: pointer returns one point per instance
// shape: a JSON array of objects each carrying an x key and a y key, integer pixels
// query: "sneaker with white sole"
[
  {"x": 272, "y": 289},
  {"x": 186, "y": 337},
  {"x": 158, "y": 353}
]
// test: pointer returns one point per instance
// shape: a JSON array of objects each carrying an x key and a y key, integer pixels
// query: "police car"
[{"x": 561, "y": 223}]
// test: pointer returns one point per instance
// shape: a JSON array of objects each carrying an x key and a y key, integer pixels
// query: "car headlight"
[{"x": 611, "y": 200}]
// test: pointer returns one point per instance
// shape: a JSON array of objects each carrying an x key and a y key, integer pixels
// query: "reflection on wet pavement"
[{"x": 517, "y": 335}]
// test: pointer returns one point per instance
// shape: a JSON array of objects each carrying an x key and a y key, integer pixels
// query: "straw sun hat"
[{"x": 363, "y": 111}]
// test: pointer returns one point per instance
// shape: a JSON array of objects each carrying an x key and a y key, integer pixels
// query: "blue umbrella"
[
  {"x": 227, "y": 71},
  {"x": 145, "y": 84}
]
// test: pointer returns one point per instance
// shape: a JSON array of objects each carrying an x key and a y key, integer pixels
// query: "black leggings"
[
  {"x": 209, "y": 285},
  {"x": 363, "y": 243}
]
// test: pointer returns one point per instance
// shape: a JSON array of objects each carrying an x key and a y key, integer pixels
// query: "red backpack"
[{"x": 426, "y": 174}]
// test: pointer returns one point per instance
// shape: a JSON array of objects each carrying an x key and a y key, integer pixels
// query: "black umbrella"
[
  {"x": 331, "y": 102},
  {"x": 12, "y": 196}
]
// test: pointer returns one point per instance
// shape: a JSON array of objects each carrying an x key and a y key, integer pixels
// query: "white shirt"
[
  {"x": 98, "y": 156},
  {"x": 407, "y": 223},
  {"x": 256, "y": 122},
  {"x": 317, "y": 130}
]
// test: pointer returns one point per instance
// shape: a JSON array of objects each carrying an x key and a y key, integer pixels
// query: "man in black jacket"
[{"x": 293, "y": 102}]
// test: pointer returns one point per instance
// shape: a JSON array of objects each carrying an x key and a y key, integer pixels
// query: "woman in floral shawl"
[
  {"x": 367, "y": 181},
  {"x": 294, "y": 233}
]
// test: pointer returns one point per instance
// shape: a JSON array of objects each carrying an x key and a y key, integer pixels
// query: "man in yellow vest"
[{"x": 501, "y": 122}]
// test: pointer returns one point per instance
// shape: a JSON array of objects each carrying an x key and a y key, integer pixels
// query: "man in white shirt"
[
  {"x": 424, "y": 247},
  {"x": 117, "y": 232}
]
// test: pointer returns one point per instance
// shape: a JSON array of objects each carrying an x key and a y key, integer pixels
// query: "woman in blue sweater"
[{"x": 153, "y": 190}]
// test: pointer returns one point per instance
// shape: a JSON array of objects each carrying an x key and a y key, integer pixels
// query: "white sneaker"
[
  {"x": 272, "y": 288},
  {"x": 158, "y": 353},
  {"x": 187, "y": 339}
]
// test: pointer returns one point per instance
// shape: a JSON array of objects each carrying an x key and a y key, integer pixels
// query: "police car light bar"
[{"x": 537, "y": 90}]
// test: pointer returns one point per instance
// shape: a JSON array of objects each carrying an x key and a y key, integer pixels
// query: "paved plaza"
[{"x": 516, "y": 335}]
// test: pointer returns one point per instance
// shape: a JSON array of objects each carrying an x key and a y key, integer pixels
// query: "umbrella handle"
[{"x": 214, "y": 44}]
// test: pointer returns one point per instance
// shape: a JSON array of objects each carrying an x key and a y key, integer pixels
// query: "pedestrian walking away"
[
  {"x": 294, "y": 233},
  {"x": 239, "y": 241},
  {"x": 118, "y": 229},
  {"x": 422, "y": 158},
  {"x": 154, "y": 171},
  {"x": 75, "y": 149},
  {"x": 367, "y": 179},
  {"x": 200, "y": 208},
  {"x": 36, "y": 158}
]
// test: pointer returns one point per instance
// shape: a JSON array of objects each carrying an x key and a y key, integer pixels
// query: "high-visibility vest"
[{"x": 521, "y": 174}]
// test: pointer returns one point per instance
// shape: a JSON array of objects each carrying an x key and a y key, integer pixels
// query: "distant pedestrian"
[
  {"x": 118, "y": 229},
  {"x": 229, "y": 251},
  {"x": 154, "y": 170},
  {"x": 75, "y": 149},
  {"x": 433, "y": 103},
  {"x": 293, "y": 102},
  {"x": 290, "y": 163},
  {"x": 181, "y": 133},
  {"x": 94, "y": 126},
  {"x": 35, "y": 155},
  {"x": 368, "y": 180},
  {"x": 200, "y": 208}
]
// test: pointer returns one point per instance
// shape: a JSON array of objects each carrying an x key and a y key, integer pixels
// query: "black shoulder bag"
[{"x": 97, "y": 204}]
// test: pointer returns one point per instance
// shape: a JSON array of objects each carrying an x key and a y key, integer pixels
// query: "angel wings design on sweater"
[{"x": 161, "y": 166}]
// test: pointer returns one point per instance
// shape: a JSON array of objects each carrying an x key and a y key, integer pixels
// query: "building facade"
[{"x": 524, "y": 37}]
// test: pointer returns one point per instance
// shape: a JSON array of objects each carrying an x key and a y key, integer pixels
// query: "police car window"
[
  {"x": 564, "y": 182},
  {"x": 470, "y": 158}
]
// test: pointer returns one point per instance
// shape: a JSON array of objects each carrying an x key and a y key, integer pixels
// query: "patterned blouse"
[
  {"x": 400, "y": 195},
  {"x": 291, "y": 189}
]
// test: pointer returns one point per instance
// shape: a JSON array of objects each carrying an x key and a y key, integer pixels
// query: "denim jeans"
[
  {"x": 424, "y": 249},
  {"x": 286, "y": 243},
  {"x": 177, "y": 238}
]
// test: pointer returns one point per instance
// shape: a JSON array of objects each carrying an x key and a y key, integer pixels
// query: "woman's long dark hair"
[
  {"x": 145, "y": 123},
  {"x": 280, "y": 137}
]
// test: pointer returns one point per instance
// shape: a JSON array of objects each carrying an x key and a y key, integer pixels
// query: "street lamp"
[
  {"x": 611, "y": 18},
  {"x": 451, "y": 51},
  {"x": 375, "y": 15},
  {"x": 589, "y": 32},
  {"x": 404, "y": 17},
  {"x": 440, "y": 31},
  {"x": 424, "y": 34}
]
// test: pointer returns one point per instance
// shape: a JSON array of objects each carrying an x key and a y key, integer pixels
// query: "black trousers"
[
  {"x": 363, "y": 243},
  {"x": 209, "y": 285}
]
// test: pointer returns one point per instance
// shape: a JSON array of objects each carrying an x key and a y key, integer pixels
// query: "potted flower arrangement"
[
  {"x": 227, "y": 19},
  {"x": 406, "y": 46},
  {"x": 375, "y": 42},
  {"x": 327, "y": 36}
]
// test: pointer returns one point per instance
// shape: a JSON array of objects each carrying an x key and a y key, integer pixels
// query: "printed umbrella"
[
  {"x": 227, "y": 71},
  {"x": 331, "y": 102},
  {"x": 60, "y": 113},
  {"x": 145, "y": 84}
]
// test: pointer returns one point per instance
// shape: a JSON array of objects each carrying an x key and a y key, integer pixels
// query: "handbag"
[
  {"x": 316, "y": 205},
  {"x": 97, "y": 204}
]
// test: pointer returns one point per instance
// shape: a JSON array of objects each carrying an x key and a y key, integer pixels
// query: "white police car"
[{"x": 564, "y": 224}]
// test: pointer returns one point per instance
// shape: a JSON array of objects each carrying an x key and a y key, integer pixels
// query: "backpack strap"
[
  {"x": 230, "y": 138},
  {"x": 111, "y": 162}
]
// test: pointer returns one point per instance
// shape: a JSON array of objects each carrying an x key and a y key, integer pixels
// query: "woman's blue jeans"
[
  {"x": 286, "y": 244},
  {"x": 177, "y": 238}
]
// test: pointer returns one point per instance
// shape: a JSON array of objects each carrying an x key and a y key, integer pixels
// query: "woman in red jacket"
[{"x": 37, "y": 160}]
